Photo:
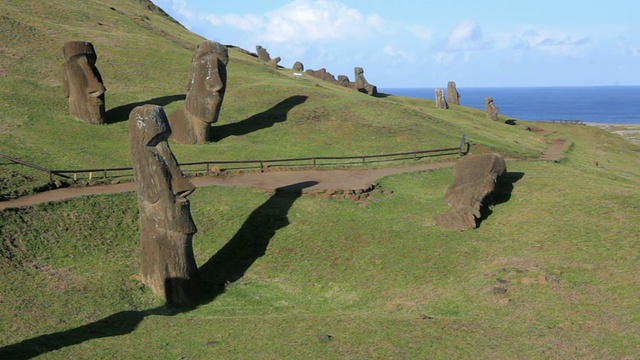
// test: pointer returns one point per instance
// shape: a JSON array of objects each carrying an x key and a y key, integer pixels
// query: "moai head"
[
  {"x": 207, "y": 82},
  {"x": 263, "y": 54},
  {"x": 362, "y": 84},
  {"x": 441, "y": 102},
  {"x": 82, "y": 82},
  {"x": 298, "y": 66}
]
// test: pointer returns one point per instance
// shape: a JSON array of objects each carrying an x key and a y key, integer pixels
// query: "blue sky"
[{"x": 420, "y": 43}]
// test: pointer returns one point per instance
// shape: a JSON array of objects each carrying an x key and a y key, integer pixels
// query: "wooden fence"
[{"x": 207, "y": 166}]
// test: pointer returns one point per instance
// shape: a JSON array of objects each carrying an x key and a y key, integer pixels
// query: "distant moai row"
[
  {"x": 453, "y": 97},
  {"x": 83, "y": 86},
  {"x": 361, "y": 84}
]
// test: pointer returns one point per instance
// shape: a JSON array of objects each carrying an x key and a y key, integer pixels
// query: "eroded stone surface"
[
  {"x": 205, "y": 93},
  {"x": 82, "y": 83},
  {"x": 475, "y": 179},
  {"x": 453, "y": 96},
  {"x": 298, "y": 66},
  {"x": 167, "y": 263},
  {"x": 441, "y": 103},
  {"x": 492, "y": 109}
]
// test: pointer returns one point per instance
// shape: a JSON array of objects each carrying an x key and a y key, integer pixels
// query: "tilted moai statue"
[
  {"x": 453, "y": 97},
  {"x": 82, "y": 82},
  {"x": 362, "y": 84},
  {"x": 322, "y": 74},
  {"x": 167, "y": 263},
  {"x": 274, "y": 62},
  {"x": 263, "y": 54},
  {"x": 298, "y": 66},
  {"x": 344, "y": 81},
  {"x": 441, "y": 103},
  {"x": 492, "y": 109},
  {"x": 205, "y": 92}
]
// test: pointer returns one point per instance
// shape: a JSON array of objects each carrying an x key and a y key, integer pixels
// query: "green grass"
[{"x": 379, "y": 276}]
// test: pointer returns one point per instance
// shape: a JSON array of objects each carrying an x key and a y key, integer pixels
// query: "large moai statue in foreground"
[
  {"x": 82, "y": 83},
  {"x": 492, "y": 109},
  {"x": 441, "y": 103},
  {"x": 453, "y": 97},
  {"x": 362, "y": 84},
  {"x": 475, "y": 180},
  {"x": 167, "y": 263},
  {"x": 205, "y": 92}
]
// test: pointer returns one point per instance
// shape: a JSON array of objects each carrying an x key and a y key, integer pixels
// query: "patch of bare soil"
[{"x": 631, "y": 132}]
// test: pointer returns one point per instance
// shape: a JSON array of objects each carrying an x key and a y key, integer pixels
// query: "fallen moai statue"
[{"x": 475, "y": 179}]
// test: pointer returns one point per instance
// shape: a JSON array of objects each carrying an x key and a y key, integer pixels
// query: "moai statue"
[
  {"x": 82, "y": 83},
  {"x": 492, "y": 109},
  {"x": 361, "y": 83},
  {"x": 263, "y": 54},
  {"x": 453, "y": 97},
  {"x": 322, "y": 74},
  {"x": 298, "y": 66},
  {"x": 274, "y": 62},
  {"x": 205, "y": 92},
  {"x": 167, "y": 263},
  {"x": 344, "y": 81},
  {"x": 441, "y": 103}
]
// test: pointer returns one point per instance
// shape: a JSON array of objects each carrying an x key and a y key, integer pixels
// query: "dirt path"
[
  {"x": 310, "y": 180},
  {"x": 305, "y": 180}
]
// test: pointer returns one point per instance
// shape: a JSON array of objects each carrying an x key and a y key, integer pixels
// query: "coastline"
[{"x": 630, "y": 132}]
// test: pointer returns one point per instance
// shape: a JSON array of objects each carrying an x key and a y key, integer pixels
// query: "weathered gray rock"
[
  {"x": 362, "y": 84},
  {"x": 82, "y": 83},
  {"x": 263, "y": 54},
  {"x": 453, "y": 97},
  {"x": 475, "y": 179},
  {"x": 441, "y": 103},
  {"x": 492, "y": 109},
  {"x": 205, "y": 92},
  {"x": 167, "y": 263},
  {"x": 298, "y": 66}
]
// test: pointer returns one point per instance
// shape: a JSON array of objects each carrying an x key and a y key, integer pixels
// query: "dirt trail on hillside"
[{"x": 308, "y": 181}]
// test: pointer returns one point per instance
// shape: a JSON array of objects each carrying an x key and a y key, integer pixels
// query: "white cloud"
[{"x": 467, "y": 36}]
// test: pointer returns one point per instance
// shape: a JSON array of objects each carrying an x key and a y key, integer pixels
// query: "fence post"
[
  {"x": 464, "y": 141},
  {"x": 314, "y": 162}
]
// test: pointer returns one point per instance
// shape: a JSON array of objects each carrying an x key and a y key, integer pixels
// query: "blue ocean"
[{"x": 602, "y": 104}]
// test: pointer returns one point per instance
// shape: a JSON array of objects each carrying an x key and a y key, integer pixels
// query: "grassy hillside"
[{"x": 551, "y": 273}]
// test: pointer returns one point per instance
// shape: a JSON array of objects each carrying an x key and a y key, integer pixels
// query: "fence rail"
[{"x": 73, "y": 174}]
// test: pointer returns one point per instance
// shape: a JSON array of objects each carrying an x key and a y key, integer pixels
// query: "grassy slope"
[{"x": 364, "y": 273}]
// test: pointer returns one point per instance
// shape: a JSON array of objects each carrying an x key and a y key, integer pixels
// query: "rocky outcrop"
[{"x": 475, "y": 179}]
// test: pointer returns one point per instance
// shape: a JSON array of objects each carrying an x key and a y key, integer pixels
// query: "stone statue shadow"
[
  {"x": 229, "y": 264},
  {"x": 501, "y": 194},
  {"x": 263, "y": 120},
  {"x": 121, "y": 113}
]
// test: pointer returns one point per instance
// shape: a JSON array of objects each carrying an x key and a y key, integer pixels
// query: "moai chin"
[
  {"x": 441, "y": 103},
  {"x": 492, "y": 109},
  {"x": 205, "y": 92},
  {"x": 453, "y": 96},
  {"x": 167, "y": 263},
  {"x": 82, "y": 83}
]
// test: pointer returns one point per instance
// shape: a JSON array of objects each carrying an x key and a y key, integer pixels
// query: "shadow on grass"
[
  {"x": 500, "y": 195},
  {"x": 260, "y": 121},
  {"x": 121, "y": 113},
  {"x": 229, "y": 264}
]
